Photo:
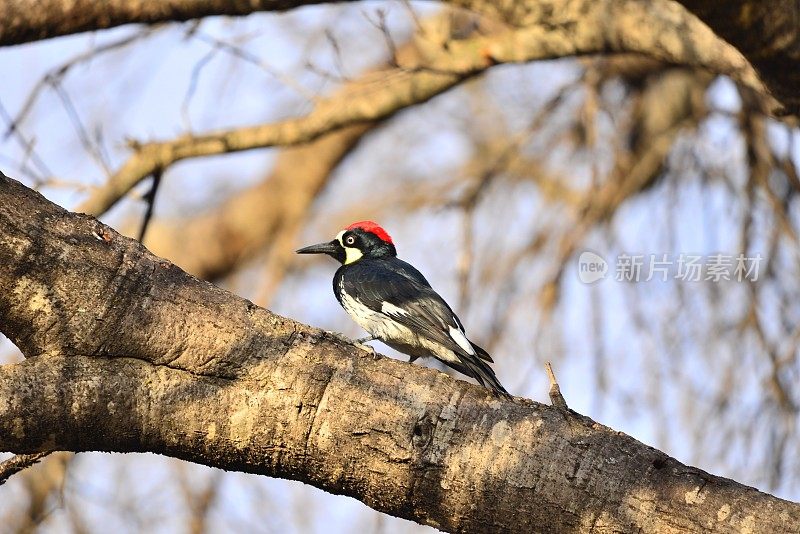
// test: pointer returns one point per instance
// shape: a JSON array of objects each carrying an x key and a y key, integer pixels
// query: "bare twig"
[
  {"x": 337, "y": 53},
  {"x": 150, "y": 198},
  {"x": 239, "y": 52},
  {"x": 194, "y": 78},
  {"x": 442, "y": 68},
  {"x": 556, "y": 398},
  {"x": 80, "y": 129},
  {"x": 17, "y": 463},
  {"x": 381, "y": 25},
  {"x": 56, "y": 74},
  {"x": 28, "y": 145}
]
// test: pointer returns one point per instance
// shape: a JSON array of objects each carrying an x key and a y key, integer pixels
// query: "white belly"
[
  {"x": 374, "y": 322},
  {"x": 393, "y": 333}
]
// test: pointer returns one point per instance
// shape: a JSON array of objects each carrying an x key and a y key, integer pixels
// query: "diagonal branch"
[
  {"x": 765, "y": 33},
  {"x": 128, "y": 353},
  {"x": 629, "y": 27},
  {"x": 376, "y": 97},
  {"x": 267, "y": 217},
  {"x": 211, "y": 244},
  {"x": 17, "y": 463}
]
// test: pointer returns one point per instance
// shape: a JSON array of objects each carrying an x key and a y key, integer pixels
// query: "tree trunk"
[{"x": 128, "y": 353}]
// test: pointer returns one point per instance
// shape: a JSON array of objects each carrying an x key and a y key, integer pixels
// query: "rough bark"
[
  {"x": 767, "y": 33},
  {"x": 128, "y": 353},
  {"x": 31, "y": 20}
]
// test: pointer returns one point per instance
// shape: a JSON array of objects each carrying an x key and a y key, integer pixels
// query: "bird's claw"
[
  {"x": 367, "y": 348},
  {"x": 361, "y": 343}
]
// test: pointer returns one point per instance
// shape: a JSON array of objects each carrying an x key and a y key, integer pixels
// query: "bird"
[{"x": 395, "y": 304}]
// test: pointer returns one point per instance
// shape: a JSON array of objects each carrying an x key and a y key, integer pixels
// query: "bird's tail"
[
  {"x": 480, "y": 371},
  {"x": 481, "y": 352},
  {"x": 485, "y": 375}
]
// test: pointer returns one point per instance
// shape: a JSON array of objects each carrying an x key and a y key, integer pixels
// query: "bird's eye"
[{"x": 350, "y": 240}]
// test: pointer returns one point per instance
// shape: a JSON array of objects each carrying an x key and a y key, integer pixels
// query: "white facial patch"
[{"x": 351, "y": 254}]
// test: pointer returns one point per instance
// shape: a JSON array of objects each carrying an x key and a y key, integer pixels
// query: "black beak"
[{"x": 332, "y": 248}]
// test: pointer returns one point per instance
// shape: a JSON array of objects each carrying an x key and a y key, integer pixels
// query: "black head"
[{"x": 363, "y": 239}]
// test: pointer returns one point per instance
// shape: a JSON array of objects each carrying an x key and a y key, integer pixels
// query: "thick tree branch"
[
  {"x": 664, "y": 31},
  {"x": 767, "y": 33},
  {"x": 23, "y": 21},
  {"x": 764, "y": 33},
  {"x": 128, "y": 353}
]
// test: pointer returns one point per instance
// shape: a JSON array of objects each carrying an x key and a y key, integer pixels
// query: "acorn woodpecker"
[{"x": 392, "y": 301}]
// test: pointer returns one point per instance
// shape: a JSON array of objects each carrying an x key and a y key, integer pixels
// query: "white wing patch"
[
  {"x": 461, "y": 340},
  {"x": 390, "y": 309},
  {"x": 393, "y": 333},
  {"x": 376, "y": 323}
]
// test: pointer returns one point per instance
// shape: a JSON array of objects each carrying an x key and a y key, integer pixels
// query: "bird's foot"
[
  {"x": 361, "y": 343},
  {"x": 367, "y": 348}
]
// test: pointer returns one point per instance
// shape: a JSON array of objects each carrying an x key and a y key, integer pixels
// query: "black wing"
[{"x": 404, "y": 288}]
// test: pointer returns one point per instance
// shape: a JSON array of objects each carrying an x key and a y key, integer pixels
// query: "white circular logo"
[{"x": 591, "y": 267}]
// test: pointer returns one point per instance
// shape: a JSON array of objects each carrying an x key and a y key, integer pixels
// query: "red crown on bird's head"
[{"x": 373, "y": 228}]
